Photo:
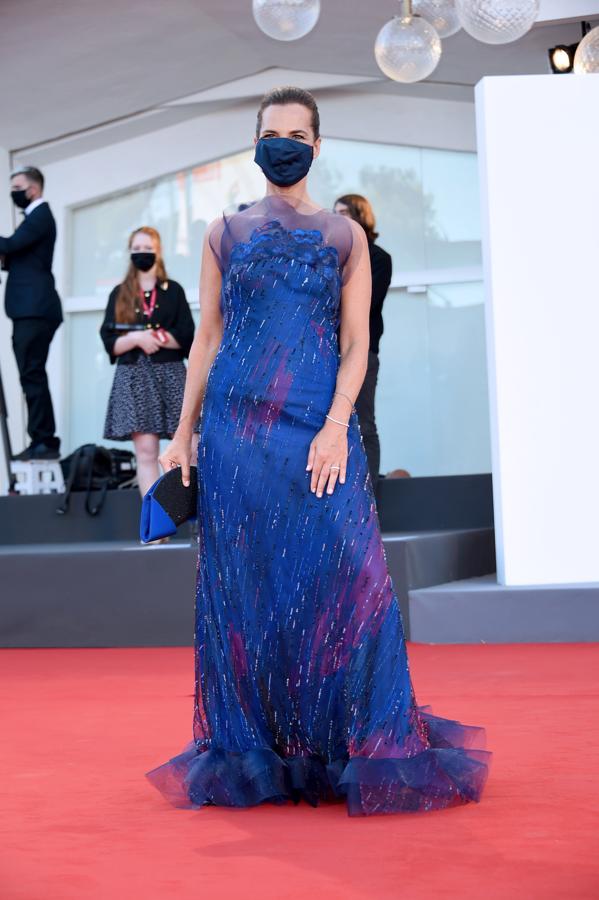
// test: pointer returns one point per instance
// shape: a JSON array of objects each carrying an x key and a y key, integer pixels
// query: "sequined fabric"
[{"x": 303, "y": 687}]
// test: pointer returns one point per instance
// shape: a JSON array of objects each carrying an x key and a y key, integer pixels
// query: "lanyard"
[{"x": 148, "y": 308}]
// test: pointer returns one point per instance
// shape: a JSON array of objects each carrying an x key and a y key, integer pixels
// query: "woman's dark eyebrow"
[{"x": 294, "y": 131}]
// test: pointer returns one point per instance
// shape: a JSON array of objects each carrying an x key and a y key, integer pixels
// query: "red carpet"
[{"x": 80, "y": 727}]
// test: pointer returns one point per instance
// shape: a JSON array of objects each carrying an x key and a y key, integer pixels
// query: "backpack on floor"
[{"x": 92, "y": 468}]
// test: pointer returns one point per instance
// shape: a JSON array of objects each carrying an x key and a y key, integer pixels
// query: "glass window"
[
  {"x": 425, "y": 201},
  {"x": 432, "y": 398},
  {"x": 431, "y": 402},
  {"x": 89, "y": 379},
  {"x": 180, "y": 206}
]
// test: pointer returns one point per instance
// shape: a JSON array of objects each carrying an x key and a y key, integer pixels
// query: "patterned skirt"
[{"x": 146, "y": 397}]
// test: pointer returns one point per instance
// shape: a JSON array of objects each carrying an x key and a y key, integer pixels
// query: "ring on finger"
[{"x": 334, "y": 468}]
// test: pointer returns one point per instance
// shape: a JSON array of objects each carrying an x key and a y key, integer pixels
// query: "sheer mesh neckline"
[
  {"x": 273, "y": 202},
  {"x": 292, "y": 215}
]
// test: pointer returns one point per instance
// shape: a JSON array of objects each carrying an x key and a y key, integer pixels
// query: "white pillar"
[
  {"x": 538, "y": 145},
  {"x": 10, "y": 375}
]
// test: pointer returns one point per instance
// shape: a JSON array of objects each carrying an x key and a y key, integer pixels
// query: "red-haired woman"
[{"x": 147, "y": 392}]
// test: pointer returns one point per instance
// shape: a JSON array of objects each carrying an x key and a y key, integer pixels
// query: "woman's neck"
[
  {"x": 296, "y": 194},
  {"x": 147, "y": 280}
]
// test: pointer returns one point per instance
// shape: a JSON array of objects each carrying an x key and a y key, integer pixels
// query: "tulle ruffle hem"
[{"x": 450, "y": 772}]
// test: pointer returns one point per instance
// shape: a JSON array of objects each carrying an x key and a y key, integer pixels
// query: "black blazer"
[
  {"x": 382, "y": 267},
  {"x": 30, "y": 290},
  {"x": 171, "y": 312}
]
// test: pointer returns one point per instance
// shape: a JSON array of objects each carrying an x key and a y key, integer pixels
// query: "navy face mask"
[{"x": 283, "y": 160}]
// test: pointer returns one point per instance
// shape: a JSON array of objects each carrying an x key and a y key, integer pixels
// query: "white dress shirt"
[{"x": 33, "y": 205}]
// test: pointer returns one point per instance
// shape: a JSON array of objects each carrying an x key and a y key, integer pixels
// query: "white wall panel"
[{"x": 538, "y": 144}]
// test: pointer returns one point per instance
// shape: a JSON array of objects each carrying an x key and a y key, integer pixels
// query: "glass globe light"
[
  {"x": 497, "y": 21},
  {"x": 441, "y": 14},
  {"x": 286, "y": 20},
  {"x": 586, "y": 58},
  {"x": 407, "y": 49}
]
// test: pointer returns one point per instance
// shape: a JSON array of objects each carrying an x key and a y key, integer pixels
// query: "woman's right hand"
[
  {"x": 147, "y": 341},
  {"x": 178, "y": 453}
]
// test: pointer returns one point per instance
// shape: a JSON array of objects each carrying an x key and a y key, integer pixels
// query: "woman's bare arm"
[
  {"x": 329, "y": 447},
  {"x": 205, "y": 346},
  {"x": 354, "y": 333}
]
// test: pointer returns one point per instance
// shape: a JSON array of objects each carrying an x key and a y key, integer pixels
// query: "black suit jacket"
[
  {"x": 382, "y": 268},
  {"x": 30, "y": 290}
]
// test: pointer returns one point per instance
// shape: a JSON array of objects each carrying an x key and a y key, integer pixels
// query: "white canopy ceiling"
[{"x": 76, "y": 65}]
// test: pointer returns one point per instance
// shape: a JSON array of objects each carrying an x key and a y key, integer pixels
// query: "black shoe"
[{"x": 38, "y": 452}]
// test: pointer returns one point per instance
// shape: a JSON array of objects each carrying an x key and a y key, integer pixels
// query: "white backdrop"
[{"x": 538, "y": 143}]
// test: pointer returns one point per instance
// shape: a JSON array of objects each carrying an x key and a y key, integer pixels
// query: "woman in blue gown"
[{"x": 303, "y": 687}]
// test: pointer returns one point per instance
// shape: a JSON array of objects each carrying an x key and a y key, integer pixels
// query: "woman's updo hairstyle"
[{"x": 282, "y": 96}]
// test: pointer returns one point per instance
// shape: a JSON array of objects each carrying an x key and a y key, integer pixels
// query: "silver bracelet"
[{"x": 337, "y": 421}]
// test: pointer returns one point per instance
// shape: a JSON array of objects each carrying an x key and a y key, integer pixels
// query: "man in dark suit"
[{"x": 33, "y": 304}]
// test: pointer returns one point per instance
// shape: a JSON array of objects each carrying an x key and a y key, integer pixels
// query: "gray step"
[
  {"x": 479, "y": 610},
  {"x": 119, "y": 594},
  {"x": 448, "y": 502},
  {"x": 422, "y": 558}
]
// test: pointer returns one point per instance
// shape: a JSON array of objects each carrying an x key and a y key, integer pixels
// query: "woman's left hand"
[{"x": 327, "y": 459}]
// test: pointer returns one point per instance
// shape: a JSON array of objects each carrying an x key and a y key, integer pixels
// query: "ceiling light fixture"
[
  {"x": 586, "y": 58},
  {"x": 561, "y": 57},
  {"x": 497, "y": 21},
  {"x": 407, "y": 48},
  {"x": 441, "y": 14},
  {"x": 286, "y": 20}
]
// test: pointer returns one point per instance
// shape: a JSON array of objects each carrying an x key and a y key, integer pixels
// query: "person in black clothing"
[
  {"x": 359, "y": 209},
  {"x": 33, "y": 304},
  {"x": 148, "y": 331}
]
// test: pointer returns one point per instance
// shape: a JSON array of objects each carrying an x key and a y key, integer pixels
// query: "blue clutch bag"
[{"x": 168, "y": 504}]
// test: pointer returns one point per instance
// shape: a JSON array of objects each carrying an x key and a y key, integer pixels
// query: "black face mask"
[
  {"x": 283, "y": 160},
  {"x": 20, "y": 199},
  {"x": 143, "y": 261}
]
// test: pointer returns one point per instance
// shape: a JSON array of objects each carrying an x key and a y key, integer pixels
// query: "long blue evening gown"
[{"x": 302, "y": 681}]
